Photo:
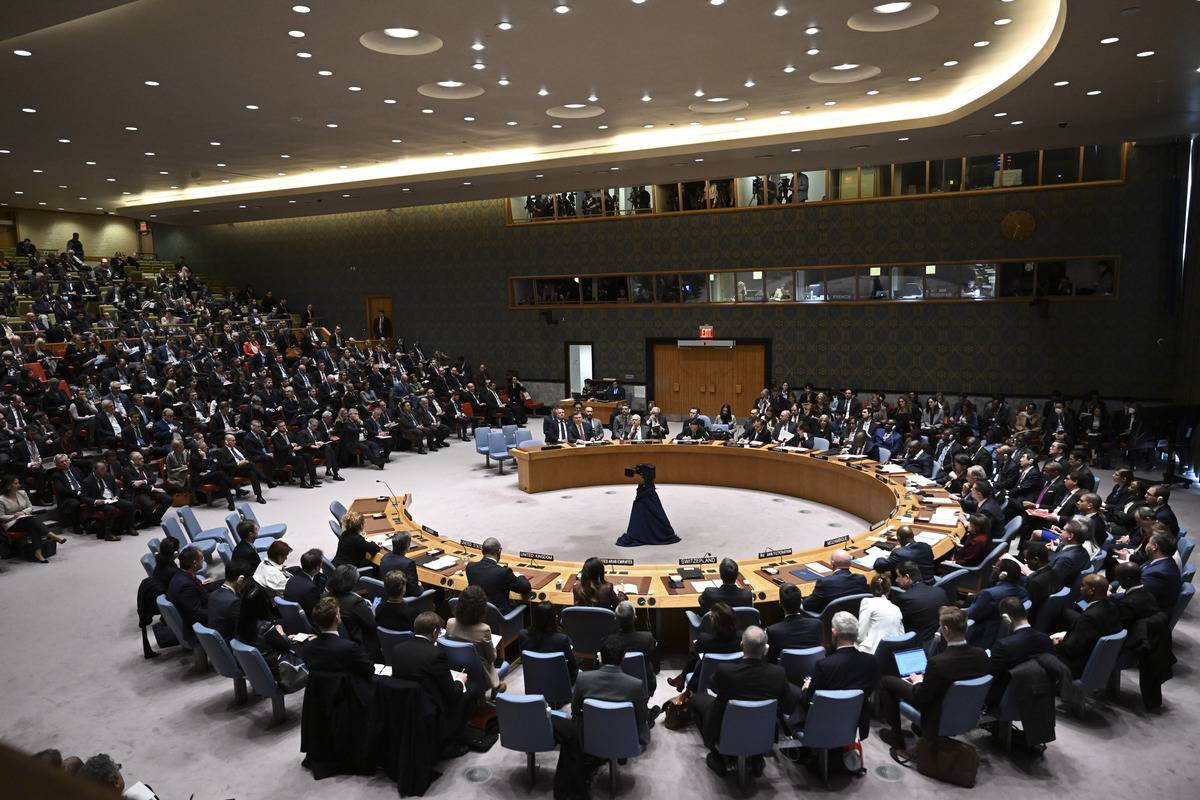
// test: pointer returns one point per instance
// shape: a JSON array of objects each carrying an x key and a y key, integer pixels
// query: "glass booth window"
[
  {"x": 810, "y": 186},
  {"x": 693, "y": 287},
  {"x": 843, "y": 183},
  {"x": 590, "y": 204},
  {"x": 567, "y": 204},
  {"x": 613, "y": 202},
  {"x": 748, "y": 191},
  {"x": 533, "y": 207},
  {"x": 945, "y": 175},
  {"x": 982, "y": 172},
  {"x": 1102, "y": 162},
  {"x": 1060, "y": 166},
  {"x": 1020, "y": 169},
  {"x": 666, "y": 197},
  {"x": 720, "y": 193},
  {"x": 522, "y": 292},
  {"x": 781, "y": 188},
  {"x": 750, "y": 286},
  {"x": 666, "y": 288},
  {"x": 638, "y": 200},
  {"x": 1091, "y": 277},
  {"x": 722, "y": 287},
  {"x": 1015, "y": 279},
  {"x": 606, "y": 289},
  {"x": 839, "y": 284},
  {"x": 694, "y": 198},
  {"x": 908, "y": 283},
  {"x": 810, "y": 285},
  {"x": 875, "y": 181},
  {"x": 643, "y": 288},
  {"x": 873, "y": 283},
  {"x": 779, "y": 286},
  {"x": 909, "y": 179},
  {"x": 557, "y": 290}
]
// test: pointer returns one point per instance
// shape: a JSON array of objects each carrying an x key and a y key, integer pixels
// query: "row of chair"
[{"x": 494, "y": 444}]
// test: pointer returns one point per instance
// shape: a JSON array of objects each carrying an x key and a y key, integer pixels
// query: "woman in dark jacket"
[
  {"x": 976, "y": 542},
  {"x": 592, "y": 589},
  {"x": 245, "y": 559},
  {"x": 357, "y": 616},
  {"x": 352, "y": 548},
  {"x": 543, "y": 636},
  {"x": 721, "y": 637}
]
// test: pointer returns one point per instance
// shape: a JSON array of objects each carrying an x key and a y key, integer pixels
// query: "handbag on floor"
[
  {"x": 677, "y": 713},
  {"x": 945, "y": 759}
]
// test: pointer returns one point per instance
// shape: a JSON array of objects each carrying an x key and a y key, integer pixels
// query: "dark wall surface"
[{"x": 446, "y": 268}]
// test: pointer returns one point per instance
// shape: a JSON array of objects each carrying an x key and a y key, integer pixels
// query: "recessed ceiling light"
[
  {"x": 780, "y": 12},
  {"x": 1061, "y": 83},
  {"x": 718, "y": 99},
  {"x": 406, "y": 189},
  {"x": 556, "y": 125},
  {"x": 111, "y": 180},
  {"x": 1002, "y": 21},
  {"x": 291, "y": 201},
  {"x": 646, "y": 98},
  {"x": 716, "y": 2},
  {"x": 950, "y": 63},
  {"x": 478, "y": 46},
  {"x": 220, "y": 163},
  {"x": 543, "y": 92},
  {"x": 131, "y": 127},
  {"x": 749, "y": 84},
  {"x": 397, "y": 141},
  {"x": 354, "y": 88},
  {"x": 789, "y": 69},
  {"x": 796, "y": 149},
  {"x": 126, "y": 193},
  {"x": 914, "y": 79},
  {"x": 562, "y": 8},
  {"x": 698, "y": 93},
  {"x": 215, "y": 144},
  {"x": 284, "y": 155},
  {"x": 1017, "y": 122},
  {"x": 739, "y": 119},
  {"x": 846, "y": 66},
  {"x": 148, "y": 153},
  {"x": 892, "y": 8},
  {"x": 281, "y": 174},
  {"x": 648, "y": 125},
  {"x": 18, "y": 192},
  {"x": 693, "y": 123},
  {"x": 298, "y": 10},
  {"x": 426, "y": 110},
  {"x": 450, "y": 84},
  {"x": 1000, "y": 114},
  {"x": 331, "y": 124},
  {"x": 5, "y": 152},
  {"x": 812, "y": 31},
  {"x": 829, "y": 103},
  {"x": 163, "y": 172},
  {"x": 241, "y": 206},
  {"x": 468, "y": 119},
  {"x": 150, "y": 83},
  {"x": 1110, "y": 40},
  {"x": 785, "y": 112},
  {"x": 592, "y": 97},
  {"x": 401, "y": 33},
  {"x": 64, "y": 141},
  {"x": 813, "y": 51},
  {"x": 324, "y": 73},
  {"x": 252, "y": 107},
  {"x": 303, "y": 54},
  {"x": 296, "y": 34},
  {"x": 511, "y": 123},
  {"x": 83, "y": 198},
  {"x": 982, "y": 43},
  {"x": 41, "y": 202},
  {"x": 22, "y": 53},
  {"x": 873, "y": 92},
  {"x": 697, "y": 160},
  {"x": 29, "y": 110},
  {"x": 466, "y": 183},
  {"x": 503, "y": 82},
  {"x": 89, "y": 163},
  {"x": 389, "y": 101},
  {"x": 504, "y": 25},
  {"x": 1145, "y": 54},
  {"x": 345, "y": 195},
  {"x": 575, "y": 105},
  {"x": 38, "y": 171},
  {"x": 174, "y": 187},
  {"x": 1093, "y": 92},
  {"x": 902, "y": 139},
  {"x": 601, "y": 127}
]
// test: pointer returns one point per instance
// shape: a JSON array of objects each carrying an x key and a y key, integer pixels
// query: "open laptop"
[{"x": 910, "y": 662}]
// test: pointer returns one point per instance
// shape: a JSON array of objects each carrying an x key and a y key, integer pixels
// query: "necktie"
[
  {"x": 580, "y": 427},
  {"x": 562, "y": 430},
  {"x": 1041, "y": 495}
]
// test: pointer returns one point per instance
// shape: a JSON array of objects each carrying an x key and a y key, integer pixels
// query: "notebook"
[{"x": 910, "y": 662}]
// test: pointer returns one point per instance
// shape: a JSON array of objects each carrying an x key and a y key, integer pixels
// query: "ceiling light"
[
  {"x": 64, "y": 141},
  {"x": 303, "y": 54},
  {"x": 148, "y": 153},
  {"x": 389, "y": 101},
  {"x": 296, "y": 34},
  {"x": 126, "y": 193},
  {"x": 342, "y": 166},
  {"x": 718, "y": 99},
  {"x": 345, "y": 195},
  {"x": 698, "y": 93},
  {"x": 299, "y": 10},
  {"x": 781, "y": 12},
  {"x": 902, "y": 139},
  {"x": 1110, "y": 40},
  {"x": 646, "y": 98},
  {"x": 1061, "y": 83},
  {"x": 601, "y": 127},
  {"x": 450, "y": 84},
  {"x": 41, "y": 202},
  {"x": 504, "y": 25},
  {"x": 1017, "y": 122},
  {"x": 873, "y": 92},
  {"x": 468, "y": 119},
  {"x": 130, "y": 128},
  {"x": 749, "y": 84},
  {"x": 829, "y": 103},
  {"x": 813, "y": 51},
  {"x": 982, "y": 43},
  {"x": 22, "y": 53},
  {"x": 697, "y": 160},
  {"x": 1000, "y": 114},
  {"x": 648, "y": 125},
  {"x": 1145, "y": 54},
  {"x": 556, "y": 125},
  {"x": 163, "y": 172},
  {"x": 784, "y": 113},
  {"x": 397, "y": 141},
  {"x": 150, "y": 83},
  {"x": 401, "y": 33},
  {"x": 466, "y": 183},
  {"x": 18, "y": 192},
  {"x": 324, "y": 73},
  {"x": 503, "y": 82},
  {"x": 789, "y": 69},
  {"x": 174, "y": 187},
  {"x": 111, "y": 180},
  {"x": 813, "y": 31},
  {"x": 354, "y": 88},
  {"x": 575, "y": 105},
  {"x": 426, "y": 110},
  {"x": 83, "y": 198},
  {"x": 252, "y": 108},
  {"x": 511, "y": 123},
  {"x": 5, "y": 152},
  {"x": 215, "y": 144},
  {"x": 1002, "y": 21},
  {"x": 739, "y": 119},
  {"x": 220, "y": 163},
  {"x": 406, "y": 189},
  {"x": 562, "y": 8},
  {"x": 796, "y": 149},
  {"x": 284, "y": 155},
  {"x": 39, "y": 171},
  {"x": 716, "y": 2},
  {"x": 478, "y": 46},
  {"x": 693, "y": 123},
  {"x": 241, "y": 206},
  {"x": 479, "y": 65},
  {"x": 950, "y": 63},
  {"x": 592, "y": 97},
  {"x": 1093, "y": 92},
  {"x": 914, "y": 79},
  {"x": 892, "y": 8},
  {"x": 330, "y": 124},
  {"x": 846, "y": 66},
  {"x": 89, "y": 163},
  {"x": 291, "y": 201},
  {"x": 543, "y": 92},
  {"x": 28, "y": 110}
]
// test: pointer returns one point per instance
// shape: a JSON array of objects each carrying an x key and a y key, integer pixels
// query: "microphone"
[{"x": 391, "y": 494}]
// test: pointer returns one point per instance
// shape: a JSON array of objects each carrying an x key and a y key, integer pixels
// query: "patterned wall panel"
[{"x": 446, "y": 268}]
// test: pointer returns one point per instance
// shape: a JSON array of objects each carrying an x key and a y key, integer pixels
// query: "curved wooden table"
[{"x": 860, "y": 488}]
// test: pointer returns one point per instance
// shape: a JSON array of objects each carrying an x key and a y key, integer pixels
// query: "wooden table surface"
[{"x": 859, "y": 488}]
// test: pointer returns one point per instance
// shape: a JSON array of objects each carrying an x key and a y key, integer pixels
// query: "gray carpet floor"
[{"x": 75, "y": 679}]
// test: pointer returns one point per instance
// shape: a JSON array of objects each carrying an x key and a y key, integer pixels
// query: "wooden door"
[
  {"x": 707, "y": 378},
  {"x": 375, "y": 304}
]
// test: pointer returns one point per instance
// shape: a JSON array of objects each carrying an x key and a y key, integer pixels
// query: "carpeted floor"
[{"x": 74, "y": 676}]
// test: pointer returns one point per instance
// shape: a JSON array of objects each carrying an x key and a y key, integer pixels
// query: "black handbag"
[
  {"x": 945, "y": 759},
  {"x": 163, "y": 636}
]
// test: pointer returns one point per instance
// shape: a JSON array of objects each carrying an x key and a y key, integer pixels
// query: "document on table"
[
  {"x": 918, "y": 480},
  {"x": 929, "y": 537},
  {"x": 700, "y": 586},
  {"x": 939, "y": 501},
  {"x": 892, "y": 469},
  {"x": 383, "y": 670},
  {"x": 850, "y": 457},
  {"x": 441, "y": 563},
  {"x": 818, "y": 567},
  {"x": 627, "y": 588},
  {"x": 945, "y": 516},
  {"x": 868, "y": 558}
]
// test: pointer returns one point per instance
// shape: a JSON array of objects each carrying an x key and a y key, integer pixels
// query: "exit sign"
[{"x": 707, "y": 332}]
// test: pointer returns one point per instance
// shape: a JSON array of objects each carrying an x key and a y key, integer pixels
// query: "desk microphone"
[{"x": 391, "y": 494}]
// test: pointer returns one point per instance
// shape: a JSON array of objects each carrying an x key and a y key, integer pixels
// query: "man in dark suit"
[
  {"x": 630, "y": 640},
  {"x": 840, "y": 583},
  {"x": 555, "y": 428},
  {"x": 186, "y": 591},
  {"x": 986, "y": 504},
  {"x": 1158, "y": 497},
  {"x": 1135, "y": 602},
  {"x": 101, "y": 493},
  {"x": 1007, "y": 471},
  {"x": 381, "y": 328},
  {"x": 959, "y": 661},
  {"x": 68, "y": 487},
  {"x": 1040, "y": 581},
  {"x": 305, "y": 587},
  {"x": 1100, "y": 618},
  {"x": 149, "y": 501},
  {"x": 224, "y": 608},
  {"x": 919, "y": 603},
  {"x": 1160, "y": 573},
  {"x": 796, "y": 631},
  {"x": 909, "y": 549},
  {"x": 397, "y": 560},
  {"x": 846, "y": 668},
  {"x": 1070, "y": 558},
  {"x": 728, "y": 592},
  {"x": 749, "y": 678},
  {"x": 233, "y": 462},
  {"x": 611, "y": 684},
  {"x": 1021, "y": 643},
  {"x": 496, "y": 579},
  {"x": 1029, "y": 479},
  {"x": 917, "y": 459},
  {"x": 985, "y": 609},
  {"x": 578, "y": 430},
  {"x": 330, "y": 652},
  {"x": 863, "y": 445}
]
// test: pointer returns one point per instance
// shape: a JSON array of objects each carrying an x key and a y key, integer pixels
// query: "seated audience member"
[
  {"x": 693, "y": 431},
  {"x": 983, "y": 501},
  {"x": 1160, "y": 573},
  {"x": 352, "y": 548},
  {"x": 1158, "y": 497},
  {"x": 591, "y": 589},
  {"x": 839, "y": 583},
  {"x": 16, "y": 515},
  {"x": 632, "y": 640},
  {"x": 392, "y": 612},
  {"x": 1070, "y": 558},
  {"x": 355, "y": 613},
  {"x": 728, "y": 592},
  {"x": 1087, "y": 510},
  {"x": 270, "y": 574},
  {"x": 305, "y": 587},
  {"x": 797, "y": 630},
  {"x": 917, "y": 459},
  {"x": 749, "y": 678},
  {"x": 554, "y": 428},
  {"x": 1007, "y": 581},
  {"x": 1134, "y": 602},
  {"x": 878, "y": 617},
  {"x": 496, "y": 579},
  {"x": 920, "y": 604},
  {"x": 245, "y": 558},
  {"x": 1019, "y": 643},
  {"x": 186, "y": 591},
  {"x": 329, "y": 652},
  {"x": 721, "y": 636},
  {"x": 164, "y": 562},
  {"x": 1100, "y": 618},
  {"x": 544, "y": 636},
  {"x": 1041, "y": 580},
  {"x": 150, "y": 502},
  {"x": 469, "y": 624},
  {"x": 224, "y": 608},
  {"x": 420, "y": 660},
  {"x": 398, "y": 561},
  {"x": 847, "y": 667},
  {"x": 959, "y": 661},
  {"x": 909, "y": 549},
  {"x": 976, "y": 543}
]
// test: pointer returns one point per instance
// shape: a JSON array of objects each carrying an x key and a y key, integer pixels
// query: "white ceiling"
[{"x": 90, "y": 60}]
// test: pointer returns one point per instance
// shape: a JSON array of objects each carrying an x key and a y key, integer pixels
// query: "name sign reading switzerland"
[
  {"x": 787, "y": 551},
  {"x": 684, "y": 562},
  {"x": 536, "y": 556},
  {"x": 837, "y": 540},
  {"x": 469, "y": 543},
  {"x": 618, "y": 562}
]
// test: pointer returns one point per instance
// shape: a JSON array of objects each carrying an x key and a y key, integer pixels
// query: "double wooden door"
[{"x": 707, "y": 378}]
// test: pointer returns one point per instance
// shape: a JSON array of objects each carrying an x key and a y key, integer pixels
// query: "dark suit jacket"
[
  {"x": 550, "y": 430},
  {"x": 839, "y": 583},
  {"x": 1101, "y": 618},
  {"x": 985, "y": 610},
  {"x": 354, "y": 550},
  {"x": 304, "y": 591},
  {"x": 497, "y": 581},
  {"x": 394, "y": 616},
  {"x": 404, "y": 564},
  {"x": 746, "y": 679},
  {"x": 846, "y": 668},
  {"x": 1068, "y": 562},
  {"x": 1166, "y": 515},
  {"x": 331, "y": 653},
  {"x": 1162, "y": 579},
  {"x": 189, "y": 598},
  {"x": 962, "y": 662},
  {"x": 919, "y": 605},
  {"x": 730, "y": 593},
  {"x": 1016, "y": 647},
  {"x": 420, "y": 660},
  {"x": 793, "y": 632},
  {"x": 245, "y": 559},
  {"x": 224, "y": 608},
  {"x": 1135, "y": 604},
  {"x": 638, "y": 642},
  {"x": 919, "y": 553},
  {"x": 611, "y": 684},
  {"x": 1039, "y": 585},
  {"x": 1028, "y": 485}
]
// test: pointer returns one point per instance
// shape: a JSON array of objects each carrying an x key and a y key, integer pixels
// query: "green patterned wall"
[{"x": 446, "y": 268}]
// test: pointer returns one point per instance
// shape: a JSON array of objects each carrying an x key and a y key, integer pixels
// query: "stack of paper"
[
  {"x": 892, "y": 469},
  {"x": 628, "y": 588},
  {"x": 818, "y": 568},
  {"x": 849, "y": 457},
  {"x": 939, "y": 501},
  {"x": 918, "y": 480},
  {"x": 945, "y": 516},
  {"x": 441, "y": 563},
  {"x": 929, "y": 537},
  {"x": 700, "y": 586}
]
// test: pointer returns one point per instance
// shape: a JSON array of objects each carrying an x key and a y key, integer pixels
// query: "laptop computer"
[{"x": 910, "y": 662}]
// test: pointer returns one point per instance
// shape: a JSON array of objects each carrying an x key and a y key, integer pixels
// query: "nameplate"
[
  {"x": 683, "y": 562},
  {"x": 882, "y": 479},
  {"x": 467, "y": 542},
  {"x": 837, "y": 540},
  {"x": 618, "y": 562},
  {"x": 787, "y": 551},
  {"x": 431, "y": 531},
  {"x": 536, "y": 556}
]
